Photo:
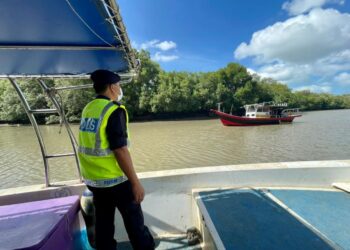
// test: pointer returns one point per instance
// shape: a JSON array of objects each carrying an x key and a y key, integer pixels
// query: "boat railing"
[
  {"x": 266, "y": 104},
  {"x": 52, "y": 94}
]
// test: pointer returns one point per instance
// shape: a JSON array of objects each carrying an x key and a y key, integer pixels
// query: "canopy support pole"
[
  {"x": 51, "y": 93},
  {"x": 32, "y": 119}
]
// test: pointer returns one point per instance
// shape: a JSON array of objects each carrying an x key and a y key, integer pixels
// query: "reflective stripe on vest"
[
  {"x": 98, "y": 163},
  {"x": 105, "y": 183},
  {"x": 97, "y": 151}
]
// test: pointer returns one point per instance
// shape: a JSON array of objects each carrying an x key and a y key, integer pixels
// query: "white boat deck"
[{"x": 170, "y": 207}]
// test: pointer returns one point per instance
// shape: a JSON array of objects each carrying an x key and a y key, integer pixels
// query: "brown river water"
[{"x": 162, "y": 145}]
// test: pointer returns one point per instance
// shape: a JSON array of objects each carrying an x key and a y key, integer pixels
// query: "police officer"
[{"x": 107, "y": 167}]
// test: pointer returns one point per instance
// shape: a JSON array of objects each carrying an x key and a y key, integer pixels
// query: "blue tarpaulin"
[{"x": 62, "y": 37}]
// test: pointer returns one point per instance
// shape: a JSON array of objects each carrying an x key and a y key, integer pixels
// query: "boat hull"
[
  {"x": 168, "y": 205},
  {"x": 233, "y": 120}
]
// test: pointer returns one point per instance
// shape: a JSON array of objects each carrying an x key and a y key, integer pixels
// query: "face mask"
[{"x": 120, "y": 96}]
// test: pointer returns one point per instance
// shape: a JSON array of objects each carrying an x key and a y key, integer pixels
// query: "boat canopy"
[
  {"x": 61, "y": 38},
  {"x": 58, "y": 38}
]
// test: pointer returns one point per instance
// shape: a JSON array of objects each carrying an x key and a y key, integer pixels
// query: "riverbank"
[{"x": 206, "y": 115}]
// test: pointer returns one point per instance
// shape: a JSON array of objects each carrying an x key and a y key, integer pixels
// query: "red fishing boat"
[{"x": 266, "y": 113}]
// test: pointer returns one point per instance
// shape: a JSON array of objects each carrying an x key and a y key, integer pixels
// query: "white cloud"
[
  {"x": 286, "y": 73},
  {"x": 312, "y": 48},
  {"x": 301, "y": 39},
  {"x": 296, "y": 7},
  {"x": 149, "y": 44},
  {"x": 156, "y": 44},
  {"x": 166, "y": 45},
  {"x": 315, "y": 88},
  {"x": 336, "y": 61},
  {"x": 156, "y": 47},
  {"x": 325, "y": 68},
  {"x": 159, "y": 57},
  {"x": 319, "y": 71},
  {"x": 251, "y": 71},
  {"x": 343, "y": 79},
  {"x": 333, "y": 64}
]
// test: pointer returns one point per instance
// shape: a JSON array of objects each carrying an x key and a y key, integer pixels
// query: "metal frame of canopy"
[
  {"x": 112, "y": 11},
  {"x": 111, "y": 39}
]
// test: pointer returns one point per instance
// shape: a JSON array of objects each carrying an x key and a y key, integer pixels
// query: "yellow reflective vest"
[{"x": 98, "y": 164}]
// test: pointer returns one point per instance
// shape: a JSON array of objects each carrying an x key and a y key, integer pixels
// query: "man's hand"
[{"x": 139, "y": 192}]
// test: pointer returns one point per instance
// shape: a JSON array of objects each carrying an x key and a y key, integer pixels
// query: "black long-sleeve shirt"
[{"x": 116, "y": 128}]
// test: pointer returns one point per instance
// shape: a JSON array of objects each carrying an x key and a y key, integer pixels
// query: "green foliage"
[
  {"x": 138, "y": 93},
  {"x": 248, "y": 93},
  {"x": 155, "y": 92},
  {"x": 345, "y": 101},
  {"x": 73, "y": 101},
  {"x": 277, "y": 92},
  {"x": 3, "y": 87},
  {"x": 174, "y": 93},
  {"x": 312, "y": 101},
  {"x": 11, "y": 107}
]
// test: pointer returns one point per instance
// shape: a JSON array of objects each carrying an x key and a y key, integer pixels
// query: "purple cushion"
[{"x": 31, "y": 225}]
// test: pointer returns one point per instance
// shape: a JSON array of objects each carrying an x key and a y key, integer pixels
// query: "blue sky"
[{"x": 302, "y": 43}]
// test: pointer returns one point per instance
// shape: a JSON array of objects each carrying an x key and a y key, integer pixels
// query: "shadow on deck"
[{"x": 170, "y": 243}]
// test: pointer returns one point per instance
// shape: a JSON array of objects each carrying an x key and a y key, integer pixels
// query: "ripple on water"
[{"x": 322, "y": 135}]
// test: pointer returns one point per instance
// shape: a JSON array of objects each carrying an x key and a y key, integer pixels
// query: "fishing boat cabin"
[{"x": 269, "y": 110}]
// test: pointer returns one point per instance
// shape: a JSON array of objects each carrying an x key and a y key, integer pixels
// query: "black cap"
[{"x": 104, "y": 77}]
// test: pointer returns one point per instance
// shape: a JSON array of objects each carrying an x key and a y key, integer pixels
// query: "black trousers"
[{"x": 120, "y": 196}]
